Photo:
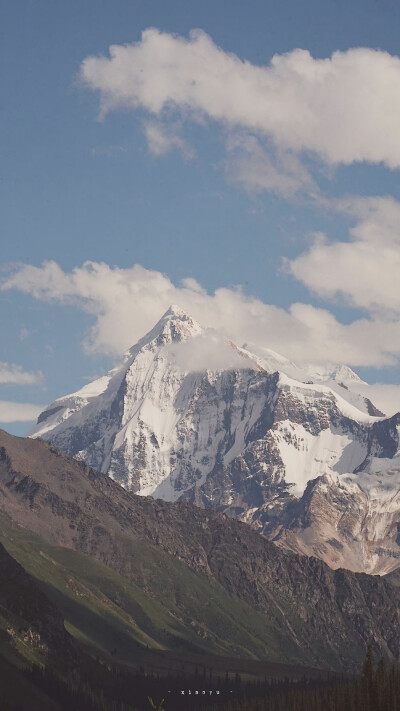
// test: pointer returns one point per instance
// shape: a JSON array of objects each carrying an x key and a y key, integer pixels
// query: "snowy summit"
[{"x": 190, "y": 415}]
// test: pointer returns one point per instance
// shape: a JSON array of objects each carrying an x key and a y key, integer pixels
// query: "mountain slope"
[
  {"x": 189, "y": 415},
  {"x": 31, "y": 626},
  {"x": 118, "y": 618},
  {"x": 310, "y": 613}
]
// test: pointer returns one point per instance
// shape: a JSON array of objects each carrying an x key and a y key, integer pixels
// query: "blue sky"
[{"x": 244, "y": 184}]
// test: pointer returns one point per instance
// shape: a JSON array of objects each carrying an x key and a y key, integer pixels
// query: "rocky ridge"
[{"x": 325, "y": 617}]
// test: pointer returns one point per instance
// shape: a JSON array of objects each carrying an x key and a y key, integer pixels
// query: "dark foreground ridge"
[{"x": 177, "y": 577}]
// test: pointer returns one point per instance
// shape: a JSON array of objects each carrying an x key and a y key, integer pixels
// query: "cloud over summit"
[{"x": 111, "y": 295}]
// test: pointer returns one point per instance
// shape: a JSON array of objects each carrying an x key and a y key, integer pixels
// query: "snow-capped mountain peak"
[
  {"x": 173, "y": 327},
  {"x": 189, "y": 415},
  {"x": 332, "y": 371}
]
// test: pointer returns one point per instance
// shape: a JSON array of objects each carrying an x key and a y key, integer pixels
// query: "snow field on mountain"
[{"x": 306, "y": 456}]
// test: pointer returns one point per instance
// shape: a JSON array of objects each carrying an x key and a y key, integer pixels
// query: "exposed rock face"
[
  {"x": 297, "y": 454},
  {"x": 327, "y": 616}
]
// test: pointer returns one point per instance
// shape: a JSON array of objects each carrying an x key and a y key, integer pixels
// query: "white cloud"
[
  {"x": 126, "y": 303},
  {"x": 250, "y": 165},
  {"x": 208, "y": 351},
  {"x": 193, "y": 285},
  {"x": 14, "y": 374},
  {"x": 161, "y": 140},
  {"x": 24, "y": 333},
  {"x": 19, "y": 411},
  {"x": 366, "y": 269},
  {"x": 344, "y": 108}
]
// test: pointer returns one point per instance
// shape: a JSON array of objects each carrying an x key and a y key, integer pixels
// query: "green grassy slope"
[{"x": 171, "y": 608}]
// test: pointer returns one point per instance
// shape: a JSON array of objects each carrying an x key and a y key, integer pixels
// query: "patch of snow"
[
  {"x": 348, "y": 403},
  {"x": 306, "y": 456}
]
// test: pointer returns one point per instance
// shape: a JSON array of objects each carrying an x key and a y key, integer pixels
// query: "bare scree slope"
[{"x": 296, "y": 453}]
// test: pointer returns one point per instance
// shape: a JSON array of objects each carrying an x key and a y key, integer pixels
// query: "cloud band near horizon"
[{"x": 111, "y": 296}]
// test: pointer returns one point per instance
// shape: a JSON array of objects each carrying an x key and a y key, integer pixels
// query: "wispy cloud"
[
  {"x": 162, "y": 140},
  {"x": 385, "y": 397},
  {"x": 258, "y": 170},
  {"x": 24, "y": 333},
  {"x": 208, "y": 351},
  {"x": 19, "y": 411},
  {"x": 14, "y": 374}
]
